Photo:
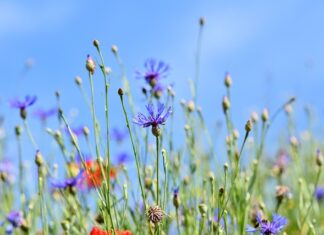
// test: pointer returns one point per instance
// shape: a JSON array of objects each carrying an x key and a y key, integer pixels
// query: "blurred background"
[{"x": 272, "y": 49}]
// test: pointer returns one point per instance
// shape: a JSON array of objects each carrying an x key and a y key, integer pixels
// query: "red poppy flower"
[
  {"x": 93, "y": 176},
  {"x": 98, "y": 231}
]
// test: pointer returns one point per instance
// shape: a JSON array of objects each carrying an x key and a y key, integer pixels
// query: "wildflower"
[
  {"x": 7, "y": 171},
  {"x": 155, "y": 214},
  {"x": 155, "y": 70},
  {"x": 22, "y": 105},
  {"x": 15, "y": 220},
  {"x": 122, "y": 158},
  {"x": 67, "y": 183},
  {"x": 119, "y": 135},
  {"x": 93, "y": 176},
  {"x": 153, "y": 120},
  {"x": 266, "y": 227},
  {"x": 90, "y": 64},
  {"x": 319, "y": 193},
  {"x": 176, "y": 199},
  {"x": 43, "y": 115},
  {"x": 98, "y": 231},
  {"x": 281, "y": 162}
]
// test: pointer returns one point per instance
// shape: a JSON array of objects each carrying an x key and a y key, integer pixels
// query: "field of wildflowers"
[{"x": 165, "y": 184}]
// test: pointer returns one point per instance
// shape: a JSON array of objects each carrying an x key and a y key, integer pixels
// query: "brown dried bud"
[
  {"x": 155, "y": 214},
  {"x": 120, "y": 92}
]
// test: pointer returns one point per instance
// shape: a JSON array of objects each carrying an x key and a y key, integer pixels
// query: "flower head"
[
  {"x": 319, "y": 193},
  {"x": 98, "y": 231},
  {"x": 67, "y": 183},
  {"x": 7, "y": 171},
  {"x": 22, "y": 105},
  {"x": 153, "y": 119},
  {"x": 266, "y": 227},
  {"x": 119, "y": 135},
  {"x": 155, "y": 70},
  {"x": 92, "y": 175},
  {"x": 43, "y": 115},
  {"x": 15, "y": 220}
]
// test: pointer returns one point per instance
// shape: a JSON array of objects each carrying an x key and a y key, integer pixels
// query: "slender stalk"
[
  {"x": 134, "y": 150},
  {"x": 157, "y": 171},
  {"x": 197, "y": 62},
  {"x": 21, "y": 170},
  {"x": 30, "y": 136}
]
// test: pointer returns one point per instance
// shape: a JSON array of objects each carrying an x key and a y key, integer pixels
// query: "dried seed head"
[{"x": 155, "y": 214}]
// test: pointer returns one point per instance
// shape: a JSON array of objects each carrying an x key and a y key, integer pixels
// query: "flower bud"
[
  {"x": 203, "y": 209},
  {"x": 90, "y": 64},
  {"x": 78, "y": 80},
  {"x": 190, "y": 106},
  {"x": 319, "y": 158},
  {"x": 39, "y": 159},
  {"x": 211, "y": 176},
  {"x": 248, "y": 126},
  {"x": 254, "y": 117},
  {"x": 114, "y": 49},
  {"x": 156, "y": 131},
  {"x": 265, "y": 115},
  {"x": 202, "y": 21},
  {"x": 17, "y": 130},
  {"x": 226, "y": 104},
  {"x": 96, "y": 43},
  {"x": 85, "y": 130},
  {"x": 227, "y": 80},
  {"x": 120, "y": 92},
  {"x": 148, "y": 183}
]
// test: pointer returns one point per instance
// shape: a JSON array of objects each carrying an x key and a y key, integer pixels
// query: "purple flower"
[
  {"x": 155, "y": 70},
  {"x": 29, "y": 100},
  {"x": 15, "y": 220},
  {"x": 319, "y": 193},
  {"x": 78, "y": 131},
  {"x": 44, "y": 114},
  {"x": 122, "y": 158},
  {"x": 176, "y": 192},
  {"x": 67, "y": 183},
  {"x": 152, "y": 120},
  {"x": 22, "y": 105},
  {"x": 7, "y": 170},
  {"x": 119, "y": 135},
  {"x": 266, "y": 227}
]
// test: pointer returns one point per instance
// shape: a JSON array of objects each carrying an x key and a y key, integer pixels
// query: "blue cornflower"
[
  {"x": 15, "y": 220},
  {"x": 44, "y": 114},
  {"x": 155, "y": 70},
  {"x": 153, "y": 120},
  {"x": 122, "y": 158},
  {"x": 22, "y": 105},
  {"x": 319, "y": 193},
  {"x": 67, "y": 183},
  {"x": 266, "y": 227},
  {"x": 119, "y": 135}
]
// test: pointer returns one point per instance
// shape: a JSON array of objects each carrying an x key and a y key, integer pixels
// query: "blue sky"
[{"x": 273, "y": 49}]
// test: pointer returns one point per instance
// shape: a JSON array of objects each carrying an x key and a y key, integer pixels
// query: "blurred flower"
[
  {"x": 67, "y": 183},
  {"x": 122, "y": 158},
  {"x": 281, "y": 163},
  {"x": 7, "y": 171},
  {"x": 266, "y": 227},
  {"x": 22, "y": 105},
  {"x": 153, "y": 120},
  {"x": 98, "y": 231},
  {"x": 319, "y": 193},
  {"x": 155, "y": 70},
  {"x": 29, "y": 100},
  {"x": 15, "y": 220},
  {"x": 77, "y": 131},
  {"x": 119, "y": 135},
  {"x": 44, "y": 114},
  {"x": 92, "y": 175}
]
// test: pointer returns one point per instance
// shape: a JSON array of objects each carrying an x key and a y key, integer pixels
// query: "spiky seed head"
[{"x": 155, "y": 214}]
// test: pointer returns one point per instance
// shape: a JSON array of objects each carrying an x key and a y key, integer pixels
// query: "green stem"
[
  {"x": 157, "y": 171},
  {"x": 30, "y": 136}
]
